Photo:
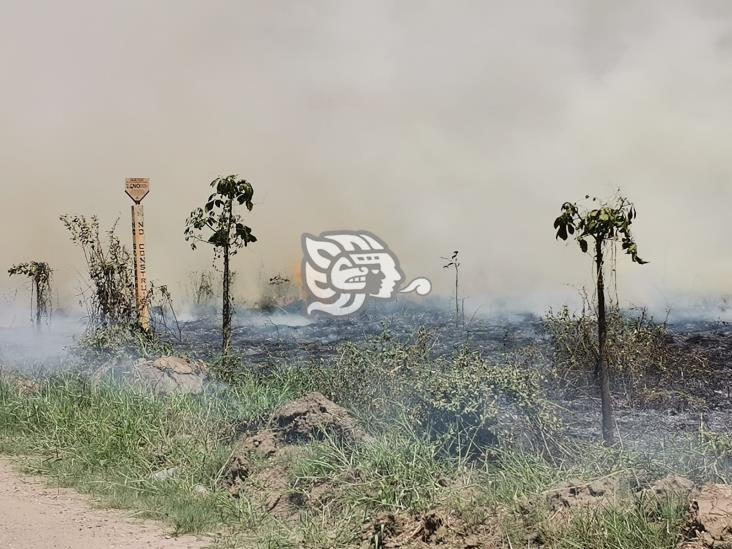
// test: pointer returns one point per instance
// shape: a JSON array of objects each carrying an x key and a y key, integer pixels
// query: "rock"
[
  {"x": 171, "y": 374},
  {"x": 165, "y": 474},
  {"x": 201, "y": 490},
  {"x": 306, "y": 418},
  {"x": 711, "y": 518}
]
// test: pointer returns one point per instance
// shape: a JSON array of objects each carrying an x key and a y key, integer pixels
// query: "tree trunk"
[
  {"x": 39, "y": 304},
  {"x": 457, "y": 302},
  {"x": 608, "y": 434},
  {"x": 226, "y": 312}
]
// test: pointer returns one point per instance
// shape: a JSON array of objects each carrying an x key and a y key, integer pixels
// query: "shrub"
[
  {"x": 464, "y": 400},
  {"x": 110, "y": 268},
  {"x": 641, "y": 353}
]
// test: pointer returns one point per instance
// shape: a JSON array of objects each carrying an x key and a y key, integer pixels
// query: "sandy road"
[{"x": 36, "y": 516}]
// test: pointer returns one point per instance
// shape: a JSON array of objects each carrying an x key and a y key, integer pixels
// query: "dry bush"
[
  {"x": 643, "y": 357},
  {"x": 202, "y": 290},
  {"x": 40, "y": 275},
  {"x": 111, "y": 299}
]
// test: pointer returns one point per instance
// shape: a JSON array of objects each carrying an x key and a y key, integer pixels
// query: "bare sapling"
[{"x": 454, "y": 263}]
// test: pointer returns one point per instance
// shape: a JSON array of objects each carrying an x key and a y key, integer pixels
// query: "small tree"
[
  {"x": 609, "y": 222},
  {"x": 454, "y": 263},
  {"x": 225, "y": 231},
  {"x": 40, "y": 275}
]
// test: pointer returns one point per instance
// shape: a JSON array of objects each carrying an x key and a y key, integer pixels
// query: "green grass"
[
  {"x": 397, "y": 470},
  {"x": 624, "y": 527},
  {"x": 108, "y": 440}
]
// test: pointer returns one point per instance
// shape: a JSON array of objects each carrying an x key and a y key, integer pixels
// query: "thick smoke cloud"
[{"x": 436, "y": 125}]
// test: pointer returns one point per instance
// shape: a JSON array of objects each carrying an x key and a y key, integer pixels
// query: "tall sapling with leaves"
[
  {"x": 219, "y": 225},
  {"x": 607, "y": 223}
]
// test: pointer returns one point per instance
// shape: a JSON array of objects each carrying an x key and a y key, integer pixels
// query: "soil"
[
  {"x": 435, "y": 528},
  {"x": 711, "y": 518},
  {"x": 260, "y": 462},
  {"x": 670, "y": 486},
  {"x": 305, "y": 418},
  {"x": 572, "y": 494},
  {"x": 36, "y": 516}
]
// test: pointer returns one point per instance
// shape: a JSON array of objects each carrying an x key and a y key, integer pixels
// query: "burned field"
[
  {"x": 395, "y": 428},
  {"x": 665, "y": 406}
]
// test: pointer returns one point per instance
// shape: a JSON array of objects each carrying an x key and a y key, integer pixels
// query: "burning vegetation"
[{"x": 402, "y": 426}]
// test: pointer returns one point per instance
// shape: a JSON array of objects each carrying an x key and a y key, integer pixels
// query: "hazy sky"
[{"x": 436, "y": 125}]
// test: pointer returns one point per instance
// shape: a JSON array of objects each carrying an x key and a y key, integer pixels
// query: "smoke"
[
  {"x": 437, "y": 126},
  {"x": 24, "y": 348}
]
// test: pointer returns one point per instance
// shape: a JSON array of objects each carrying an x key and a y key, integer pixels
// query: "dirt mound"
[
  {"x": 170, "y": 374},
  {"x": 308, "y": 417},
  {"x": 670, "y": 486},
  {"x": 272, "y": 487},
  {"x": 710, "y": 525},
  {"x": 576, "y": 494},
  {"x": 259, "y": 463},
  {"x": 435, "y": 528},
  {"x": 242, "y": 461},
  {"x": 263, "y": 444}
]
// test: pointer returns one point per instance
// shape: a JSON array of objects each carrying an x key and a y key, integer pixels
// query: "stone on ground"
[{"x": 170, "y": 374}]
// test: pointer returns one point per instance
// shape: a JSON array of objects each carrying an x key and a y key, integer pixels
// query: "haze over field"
[{"x": 437, "y": 126}]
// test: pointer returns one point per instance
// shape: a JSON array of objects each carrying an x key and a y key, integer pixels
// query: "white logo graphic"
[{"x": 343, "y": 268}]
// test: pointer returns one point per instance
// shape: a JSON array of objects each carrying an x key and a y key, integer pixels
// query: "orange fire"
[{"x": 297, "y": 279}]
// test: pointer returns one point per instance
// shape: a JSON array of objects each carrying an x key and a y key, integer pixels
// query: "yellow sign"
[{"x": 137, "y": 188}]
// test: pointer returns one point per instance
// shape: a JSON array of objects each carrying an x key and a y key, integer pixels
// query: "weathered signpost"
[{"x": 137, "y": 189}]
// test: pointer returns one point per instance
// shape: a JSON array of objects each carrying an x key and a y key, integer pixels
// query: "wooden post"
[{"x": 137, "y": 188}]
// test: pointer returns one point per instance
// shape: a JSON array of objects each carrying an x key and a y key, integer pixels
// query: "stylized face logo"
[
  {"x": 375, "y": 273},
  {"x": 344, "y": 268}
]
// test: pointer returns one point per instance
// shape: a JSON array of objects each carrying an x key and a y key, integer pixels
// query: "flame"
[{"x": 297, "y": 279}]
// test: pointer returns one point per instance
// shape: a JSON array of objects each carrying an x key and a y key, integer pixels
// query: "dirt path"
[{"x": 36, "y": 516}]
